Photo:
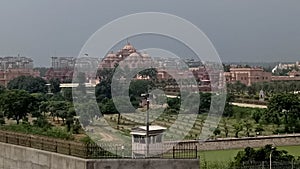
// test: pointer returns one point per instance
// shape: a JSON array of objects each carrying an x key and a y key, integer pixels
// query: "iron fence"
[
  {"x": 93, "y": 150},
  {"x": 266, "y": 165}
]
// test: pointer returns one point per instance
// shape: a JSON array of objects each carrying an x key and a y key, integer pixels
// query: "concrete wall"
[{"x": 18, "y": 157}]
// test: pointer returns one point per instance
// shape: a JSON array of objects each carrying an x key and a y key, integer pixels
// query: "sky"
[{"x": 240, "y": 30}]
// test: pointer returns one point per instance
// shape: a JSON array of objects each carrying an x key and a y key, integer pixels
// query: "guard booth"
[{"x": 139, "y": 141}]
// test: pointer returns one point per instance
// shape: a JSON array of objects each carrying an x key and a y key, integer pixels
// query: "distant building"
[
  {"x": 247, "y": 76},
  {"x": 63, "y": 62},
  {"x": 12, "y": 67},
  {"x": 12, "y": 62},
  {"x": 65, "y": 74},
  {"x": 65, "y": 68},
  {"x": 131, "y": 57}
]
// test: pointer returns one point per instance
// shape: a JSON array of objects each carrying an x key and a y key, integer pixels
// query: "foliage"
[
  {"x": 42, "y": 122},
  {"x": 237, "y": 128},
  {"x": 217, "y": 131},
  {"x": 103, "y": 89},
  {"x": 151, "y": 73},
  {"x": 28, "y": 83},
  {"x": 256, "y": 115},
  {"x": 16, "y": 104},
  {"x": 54, "y": 85},
  {"x": 173, "y": 103},
  {"x": 248, "y": 127},
  {"x": 138, "y": 87},
  {"x": 263, "y": 154},
  {"x": 54, "y": 132},
  {"x": 2, "y": 119},
  {"x": 107, "y": 106},
  {"x": 286, "y": 106},
  {"x": 205, "y": 100},
  {"x": 2, "y": 89},
  {"x": 86, "y": 140}
]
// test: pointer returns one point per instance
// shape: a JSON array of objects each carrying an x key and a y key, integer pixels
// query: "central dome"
[{"x": 128, "y": 47}]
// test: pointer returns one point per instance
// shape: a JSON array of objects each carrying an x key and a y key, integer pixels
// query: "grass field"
[
  {"x": 241, "y": 115},
  {"x": 228, "y": 155}
]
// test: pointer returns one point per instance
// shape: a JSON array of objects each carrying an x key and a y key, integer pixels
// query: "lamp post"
[
  {"x": 147, "y": 123},
  {"x": 273, "y": 148}
]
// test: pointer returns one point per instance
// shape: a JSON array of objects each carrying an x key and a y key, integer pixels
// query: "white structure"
[{"x": 139, "y": 141}]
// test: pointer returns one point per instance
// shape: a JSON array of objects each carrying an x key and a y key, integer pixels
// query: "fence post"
[
  {"x": 196, "y": 149},
  {"x": 56, "y": 146},
  {"x": 42, "y": 143},
  {"x": 87, "y": 150},
  {"x": 69, "y": 149},
  {"x": 30, "y": 141},
  {"x": 173, "y": 151},
  {"x": 18, "y": 140}
]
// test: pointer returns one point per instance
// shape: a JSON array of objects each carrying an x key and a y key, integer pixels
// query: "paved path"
[{"x": 250, "y": 105}]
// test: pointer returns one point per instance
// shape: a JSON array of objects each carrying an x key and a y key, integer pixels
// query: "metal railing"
[{"x": 91, "y": 150}]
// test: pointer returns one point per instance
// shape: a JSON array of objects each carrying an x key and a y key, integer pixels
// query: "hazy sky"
[{"x": 241, "y": 30}]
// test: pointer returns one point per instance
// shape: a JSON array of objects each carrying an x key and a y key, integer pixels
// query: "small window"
[
  {"x": 153, "y": 139},
  {"x": 136, "y": 139},
  {"x": 142, "y": 140},
  {"x": 159, "y": 138}
]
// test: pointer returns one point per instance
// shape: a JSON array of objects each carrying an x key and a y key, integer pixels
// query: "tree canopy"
[
  {"x": 16, "y": 104},
  {"x": 263, "y": 154},
  {"x": 28, "y": 83}
]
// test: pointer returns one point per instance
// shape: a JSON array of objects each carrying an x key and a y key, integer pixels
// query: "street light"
[
  {"x": 272, "y": 149},
  {"x": 147, "y": 123}
]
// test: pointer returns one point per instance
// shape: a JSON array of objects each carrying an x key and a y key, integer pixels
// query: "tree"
[
  {"x": 256, "y": 115},
  {"x": 151, "y": 73},
  {"x": 217, "y": 131},
  {"x": 228, "y": 110},
  {"x": 286, "y": 106},
  {"x": 2, "y": 89},
  {"x": 16, "y": 104},
  {"x": 2, "y": 118},
  {"x": 173, "y": 103},
  {"x": 248, "y": 127},
  {"x": 59, "y": 109},
  {"x": 237, "y": 127},
  {"x": 81, "y": 82},
  {"x": 28, "y": 83},
  {"x": 205, "y": 101},
  {"x": 54, "y": 85},
  {"x": 259, "y": 129},
  {"x": 263, "y": 154},
  {"x": 226, "y": 130}
]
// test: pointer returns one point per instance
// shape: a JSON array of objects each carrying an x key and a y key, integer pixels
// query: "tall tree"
[
  {"x": 54, "y": 85},
  {"x": 28, "y": 83},
  {"x": 288, "y": 106},
  {"x": 16, "y": 104}
]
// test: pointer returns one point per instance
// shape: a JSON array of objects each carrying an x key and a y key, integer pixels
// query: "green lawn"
[
  {"x": 219, "y": 155},
  {"x": 228, "y": 155}
]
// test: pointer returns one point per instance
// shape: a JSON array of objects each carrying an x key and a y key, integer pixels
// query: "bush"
[
  {"x": 86, "y": 140},
  {"x": 26, "y": 128},
  {"x": 42, "y": 122}
]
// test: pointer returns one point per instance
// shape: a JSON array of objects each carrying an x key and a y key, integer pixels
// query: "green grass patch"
[{"x": 228, "y": 155}]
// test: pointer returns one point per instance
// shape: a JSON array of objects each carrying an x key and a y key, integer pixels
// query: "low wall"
[
  {"x": 236, "y": 143},
  {"x": 18, "y": 157}
]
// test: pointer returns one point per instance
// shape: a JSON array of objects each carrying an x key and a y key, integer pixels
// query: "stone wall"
[
  {"x": 233, "y": 143},
  {"x": 18, "y": 157},
  {"x": 236, "y": 143}
]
